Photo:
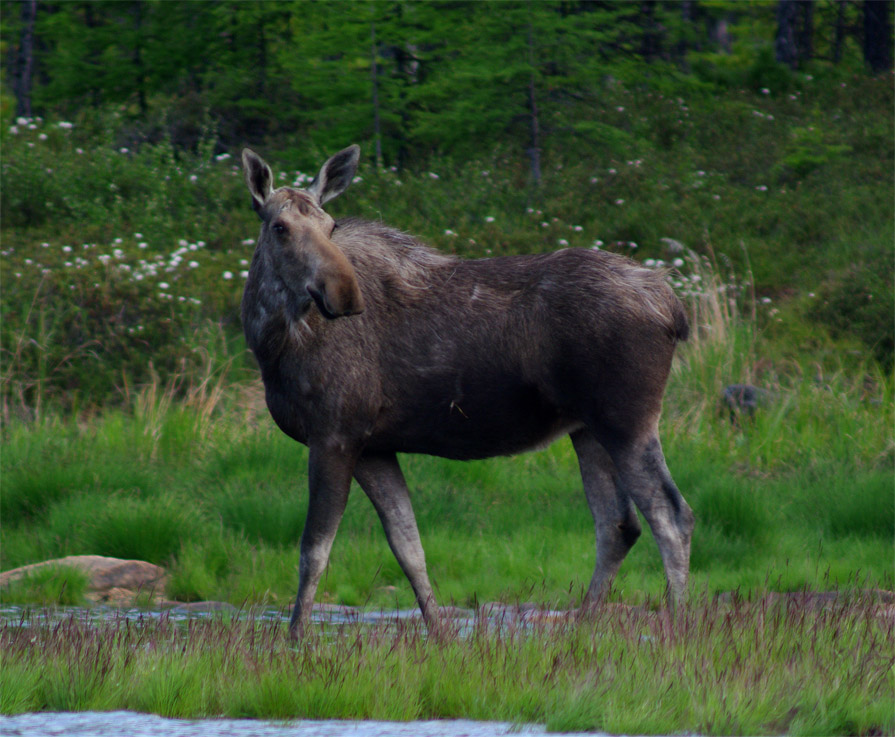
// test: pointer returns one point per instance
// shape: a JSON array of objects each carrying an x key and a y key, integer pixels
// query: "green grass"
[
  {"x": 798, "y": 496},
  {"x": 747, "y": 667},
  {"x": 53, "y": 585},
  {"x": 132, "y": 426}
]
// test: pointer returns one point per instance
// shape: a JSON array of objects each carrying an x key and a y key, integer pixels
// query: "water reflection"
[{"x": 130, "y": 724}]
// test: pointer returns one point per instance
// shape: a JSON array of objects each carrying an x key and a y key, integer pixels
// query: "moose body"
[{"x": 371, "y": 344}]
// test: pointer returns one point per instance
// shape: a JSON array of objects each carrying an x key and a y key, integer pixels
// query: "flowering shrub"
[{"x": 121, "y": 264}]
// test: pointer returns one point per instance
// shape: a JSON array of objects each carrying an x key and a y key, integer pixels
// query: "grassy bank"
[
  {"x": 797, "y": 496},
  {"x": 194, "y": 476},
  {"x": 742, "y": 668}
]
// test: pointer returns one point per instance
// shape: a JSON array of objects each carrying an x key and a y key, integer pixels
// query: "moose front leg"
[
  {"x": 330, "y": 468},
  {"x": 380, "y": 477}
]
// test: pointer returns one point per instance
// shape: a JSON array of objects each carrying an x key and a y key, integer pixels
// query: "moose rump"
[{"x": 371, "y": 344}]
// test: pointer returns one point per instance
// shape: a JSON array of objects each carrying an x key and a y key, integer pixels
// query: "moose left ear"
[
  {"x": 259, "y": 177},
  {"x": 335, "y": 175}
]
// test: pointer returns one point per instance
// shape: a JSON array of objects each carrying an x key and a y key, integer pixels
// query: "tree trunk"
[
  {"x": 877, "y": 35},
  {"x": 138, "y": 57},
  {"x": 839, "y": 36},
  {"x": 649, "y": 41},
  {"x": 805, "y": 37},
  {"x": 377, "y": 133},
  {"x": 680, "y": 51},
  {"x": 785, "y": 49},
  {"x": 534, "y": 151},
  {"x": 25, "y": 62}
]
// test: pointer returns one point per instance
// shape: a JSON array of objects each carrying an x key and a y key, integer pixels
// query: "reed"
[{"x": 760, "y": 666}]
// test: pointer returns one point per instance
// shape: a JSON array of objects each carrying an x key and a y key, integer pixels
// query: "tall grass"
[
  {"x": 195, "y": 477},
  {"x": 747, "y": 667}
]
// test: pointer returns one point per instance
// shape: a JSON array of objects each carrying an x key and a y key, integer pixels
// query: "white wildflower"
[{"x": 228, "y": 275}]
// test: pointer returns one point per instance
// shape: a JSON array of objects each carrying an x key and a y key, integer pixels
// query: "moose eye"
[{"x": 278, "y": 228}]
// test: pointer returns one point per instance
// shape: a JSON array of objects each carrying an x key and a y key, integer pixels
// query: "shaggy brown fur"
[{"x": 371, "y": 344}]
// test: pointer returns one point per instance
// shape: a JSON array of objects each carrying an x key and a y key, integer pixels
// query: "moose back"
[{"x": 372, "y": 344}]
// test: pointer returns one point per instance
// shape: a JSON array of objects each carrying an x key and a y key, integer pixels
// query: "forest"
[{"x": 411, "y": 79}]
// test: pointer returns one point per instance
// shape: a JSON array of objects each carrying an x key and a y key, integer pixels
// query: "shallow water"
[
  {"x": 462, "y": 620},
  {"x": 131, "y": 724}
]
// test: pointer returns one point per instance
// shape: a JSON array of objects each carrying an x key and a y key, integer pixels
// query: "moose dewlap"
[{"x": 372, "y": 344}]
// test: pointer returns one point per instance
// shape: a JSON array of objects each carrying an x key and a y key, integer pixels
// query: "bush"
[{"x": 858, "y": 304}]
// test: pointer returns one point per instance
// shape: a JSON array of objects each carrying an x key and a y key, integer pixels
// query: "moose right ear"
[{"x": 259, "y": 178}]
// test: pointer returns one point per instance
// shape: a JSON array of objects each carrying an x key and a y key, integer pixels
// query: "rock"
[
  {"x": 206, "y": 606},
  {"x": 744, "y": 399},
  {"x": 110, "y": 580},
  {"x": 673, "y": 246}
]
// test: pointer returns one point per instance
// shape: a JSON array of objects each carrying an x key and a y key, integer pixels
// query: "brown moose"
[{"x": 372, "y": 344}]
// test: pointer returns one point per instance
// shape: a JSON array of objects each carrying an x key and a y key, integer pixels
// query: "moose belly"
[{"x": 487, "y": 419}]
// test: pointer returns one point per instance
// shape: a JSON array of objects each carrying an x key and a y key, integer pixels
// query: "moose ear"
[
  {"x": 259, "y": 177},
  {"x": 335, "y": 175}
]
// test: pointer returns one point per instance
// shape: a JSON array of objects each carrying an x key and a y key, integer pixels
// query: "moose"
[{"x": 372, "y": 344}]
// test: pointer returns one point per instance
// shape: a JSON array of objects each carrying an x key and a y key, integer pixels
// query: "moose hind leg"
[
  {"x": 615, "y": 519},
  {"x": 644, "y": 475},
  {"x": 381, "y": 479}
]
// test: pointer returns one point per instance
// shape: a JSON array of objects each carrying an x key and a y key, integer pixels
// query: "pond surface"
[
  {"x": 463, "y": 620},
  {"x": 131, "y": 724}
]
